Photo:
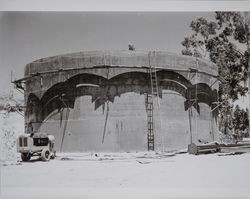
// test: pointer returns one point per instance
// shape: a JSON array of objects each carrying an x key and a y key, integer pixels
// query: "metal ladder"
[{"x": 150, "y": 107}]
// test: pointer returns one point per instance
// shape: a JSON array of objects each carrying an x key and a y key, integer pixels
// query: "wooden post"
[{"x": 212, "y": 124}]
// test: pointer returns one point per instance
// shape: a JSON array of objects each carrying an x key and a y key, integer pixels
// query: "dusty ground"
[
  {"x": 118, "y": 175},
  {"x": 129, "y": 175}
]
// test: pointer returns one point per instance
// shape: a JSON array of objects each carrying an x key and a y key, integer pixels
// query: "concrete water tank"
[{"x": 95, "y": 101}]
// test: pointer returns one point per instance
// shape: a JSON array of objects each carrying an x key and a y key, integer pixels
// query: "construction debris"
[
  {"x": 203, "y": 148},
  {"x": 214, "y": 147},
  {"x": 232, "y": 153}
]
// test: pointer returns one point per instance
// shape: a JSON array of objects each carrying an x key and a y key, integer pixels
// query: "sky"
[{"x": 27, "y": 36}]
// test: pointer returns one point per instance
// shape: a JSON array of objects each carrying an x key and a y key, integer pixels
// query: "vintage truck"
[{"x": 38, "y": 144}]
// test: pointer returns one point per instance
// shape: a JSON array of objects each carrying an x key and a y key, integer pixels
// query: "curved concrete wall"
[
  {"x": 126, "y": 128},
  {"x": 49, "y": 71},
  {"x": 112, "y": 100}
]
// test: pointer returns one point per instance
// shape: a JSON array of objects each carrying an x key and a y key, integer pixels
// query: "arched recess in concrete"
[
  {"x": 63, "y": 94},
  {"x": 102, "y": 90},
  {"x": 203, "y": 93}
]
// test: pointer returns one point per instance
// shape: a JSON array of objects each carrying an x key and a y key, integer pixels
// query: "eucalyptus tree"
[{"x": 224, "y": 41}]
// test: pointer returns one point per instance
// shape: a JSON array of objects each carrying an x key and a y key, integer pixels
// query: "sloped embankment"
[{"x": 11, "y": 126}]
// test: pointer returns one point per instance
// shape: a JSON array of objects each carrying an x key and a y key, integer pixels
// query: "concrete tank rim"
[{"x": 37, "y": 64}]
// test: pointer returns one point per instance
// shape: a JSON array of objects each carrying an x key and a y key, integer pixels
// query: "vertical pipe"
[
  {"x": 190, "y": 125},
  {"x": 105, "y": 123},
  {"x": 65, "y": 127},
  {"x": 212, "y": 125},
  {"x": 196, "y": 99}
]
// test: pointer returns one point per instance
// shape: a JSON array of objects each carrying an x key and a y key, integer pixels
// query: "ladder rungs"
[{"x": 149, "y": 106}]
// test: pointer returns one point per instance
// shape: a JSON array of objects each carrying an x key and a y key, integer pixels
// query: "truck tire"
[
  {"x": 45, "y": 155},
  {"x": 25, "y": 157}
]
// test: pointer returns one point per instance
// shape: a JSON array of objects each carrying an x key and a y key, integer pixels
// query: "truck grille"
[
  {"x": 20, "y": 141},
  {"x": 23, "y": 142}
]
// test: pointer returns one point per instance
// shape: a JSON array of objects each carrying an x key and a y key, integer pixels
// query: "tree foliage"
[
  {"x": 240, "y": 122},
  {"x": 225, "y": 41}
]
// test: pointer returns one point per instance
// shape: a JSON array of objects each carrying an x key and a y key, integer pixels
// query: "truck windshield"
[{"x": 40, "y": 141}]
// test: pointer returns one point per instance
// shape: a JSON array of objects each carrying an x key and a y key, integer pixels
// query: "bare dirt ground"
[
  {"x": 129, "y": 175},
  {"x": 118, "y": 175}
]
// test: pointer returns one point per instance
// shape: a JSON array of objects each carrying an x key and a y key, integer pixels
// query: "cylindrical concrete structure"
[{"x": 95, "y": 101}]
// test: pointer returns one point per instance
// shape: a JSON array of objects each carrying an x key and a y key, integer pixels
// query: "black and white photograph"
[{"x": 133, "y": 103}]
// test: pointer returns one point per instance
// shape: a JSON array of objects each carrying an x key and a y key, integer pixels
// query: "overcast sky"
[{"x": 27, "y": 36}]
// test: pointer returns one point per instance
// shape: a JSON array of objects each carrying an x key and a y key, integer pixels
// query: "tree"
[
  {"x": 240, "y": 122},
  {"x": 225, "y": 41}
]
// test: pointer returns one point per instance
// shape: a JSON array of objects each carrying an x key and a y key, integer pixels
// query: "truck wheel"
[
  {"x": 25, "y": 157},
  {"x": 45, "y": 155}
]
